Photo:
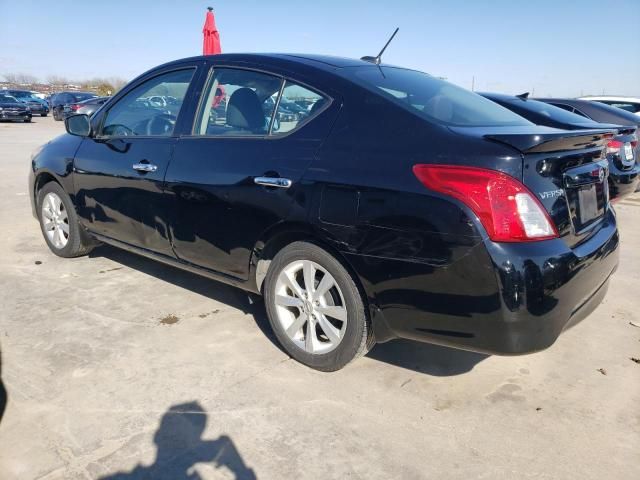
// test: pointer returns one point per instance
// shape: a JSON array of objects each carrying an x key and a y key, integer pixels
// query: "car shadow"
[
  {"x": 420, "y": 357},
  {"x": 180, "y": 447},
  {"x": 234, "y": 297},
  {"x": 426, "y": 358}
]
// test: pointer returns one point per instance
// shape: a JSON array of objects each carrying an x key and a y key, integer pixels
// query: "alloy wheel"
[
  {"x": 55, "y": 220},
  {"x": 310, "y": 307}
]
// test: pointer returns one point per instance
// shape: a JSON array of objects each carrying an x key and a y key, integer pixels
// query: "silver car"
[{"x": 86, "y": 107}]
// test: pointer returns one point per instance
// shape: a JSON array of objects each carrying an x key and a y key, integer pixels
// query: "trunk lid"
[{"x": 566, "y": 170}]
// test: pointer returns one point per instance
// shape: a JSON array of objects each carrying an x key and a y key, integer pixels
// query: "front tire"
[
  {"x": 315, "y": 308},
  {"x": 59, "y": 223}
]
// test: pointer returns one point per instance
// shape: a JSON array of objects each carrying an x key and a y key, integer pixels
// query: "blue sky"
[{"x": 561, "y": 47}]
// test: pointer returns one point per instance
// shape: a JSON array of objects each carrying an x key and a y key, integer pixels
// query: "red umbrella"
[{"x": 211, "y": 44}]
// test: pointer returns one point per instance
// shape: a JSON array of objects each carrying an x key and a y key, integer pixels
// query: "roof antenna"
[
  {"x": 376, "y": 60},
  {"x": 523, "y": 96}
]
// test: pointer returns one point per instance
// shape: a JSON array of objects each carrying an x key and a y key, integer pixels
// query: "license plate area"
[
  {"x": 628, "y": 151},
  {"x": 587, "y": 195}
]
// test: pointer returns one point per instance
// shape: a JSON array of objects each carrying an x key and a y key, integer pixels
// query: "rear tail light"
[
  {"x": 74, "y": 107},
  {"x": 507, "y": 209},
  {"x": 614, "y": 146}
]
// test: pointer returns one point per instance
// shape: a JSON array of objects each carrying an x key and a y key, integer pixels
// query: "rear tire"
[
  {"x": 59, "y": 223},
  {"x": 333, "y": 307}
]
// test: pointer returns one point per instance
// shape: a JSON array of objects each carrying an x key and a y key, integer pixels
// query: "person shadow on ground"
[{"x": 180, "y": 447}]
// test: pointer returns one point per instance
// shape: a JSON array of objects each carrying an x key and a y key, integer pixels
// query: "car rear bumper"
[
  {"x": 504, "y": 299},
  {"x": 4, "y": 115}
]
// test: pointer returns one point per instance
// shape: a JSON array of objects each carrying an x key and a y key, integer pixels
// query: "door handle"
[
  {"x": 145, "y": 167},
  {"x": 277, "y": 182}
]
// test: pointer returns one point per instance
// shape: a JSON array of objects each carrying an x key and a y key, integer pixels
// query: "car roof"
[{"x": 322, "y": 62}]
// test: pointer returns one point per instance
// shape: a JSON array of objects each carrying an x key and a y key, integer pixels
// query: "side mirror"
[{"x": 78, "y": 125}]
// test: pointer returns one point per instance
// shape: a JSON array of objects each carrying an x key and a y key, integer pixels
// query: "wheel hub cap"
[
  {"x": 310, "y": 307},
  {"x": 55, "y": 221}
]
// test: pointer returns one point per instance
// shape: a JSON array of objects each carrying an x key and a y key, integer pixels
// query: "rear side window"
[
  {"x": 297, "y": 105},
  {"x": 435, "y": 100}
]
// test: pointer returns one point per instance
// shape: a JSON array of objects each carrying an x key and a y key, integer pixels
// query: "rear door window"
[
  {"x": 434, "y": 99},
  {"x": 239, "y": 102}
]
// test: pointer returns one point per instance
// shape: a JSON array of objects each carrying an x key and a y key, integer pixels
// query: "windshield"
[
  {"x": 21, "y": 94},
  {"x": 435, "y": 100}
]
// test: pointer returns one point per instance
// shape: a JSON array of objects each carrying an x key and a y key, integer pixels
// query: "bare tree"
[
  {"x": 10, "y": 77},
  {"x": 57, "y": 80},
  {"x": 20, "y": 78}
]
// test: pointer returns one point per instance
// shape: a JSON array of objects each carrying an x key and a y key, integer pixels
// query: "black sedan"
[
  {"x": 13, "y": 110},
  {"x": 37, "y": 105},
  {"x": 400, "y": 206},
  {"x": 624, "y": 169}
]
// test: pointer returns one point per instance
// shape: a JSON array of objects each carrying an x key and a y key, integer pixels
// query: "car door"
[
  {"x": 119, "y": 171},
  {"x": 238, "y": 172}
]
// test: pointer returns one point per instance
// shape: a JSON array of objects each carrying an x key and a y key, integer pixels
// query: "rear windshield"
[
  {"x": 435, "y": 100},
  {"x": 547, "y": 110},
  {"x": 83, "y": 96},
  {"x": 623, "y": 116}
]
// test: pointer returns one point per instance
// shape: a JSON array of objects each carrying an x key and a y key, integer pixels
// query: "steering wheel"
[
  {"x": 119, "y": 130},
  {"x": 161, "y": 124},
  {"x": 157, "y": 101}
]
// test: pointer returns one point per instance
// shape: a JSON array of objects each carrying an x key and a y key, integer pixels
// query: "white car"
[{"x": 630, "y": 104}]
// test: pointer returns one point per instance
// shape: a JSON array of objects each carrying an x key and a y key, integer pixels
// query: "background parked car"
[
  {"x": 59, "y": 100},
  {"x": 624, "y": 171},
  {"x": 37, "y": 105},
  {"x": 630, "y": 104},
  {"x": 600, "y": 113},
  {"x": 86, "y": 106},
  {"x": 12, "y": 109}
]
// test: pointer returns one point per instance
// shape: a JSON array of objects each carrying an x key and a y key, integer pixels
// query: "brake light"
[
  {"x": 614, "y": 146},
  {"x": 506, "y": 208},
  {"x": 74, "y": 107}
]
